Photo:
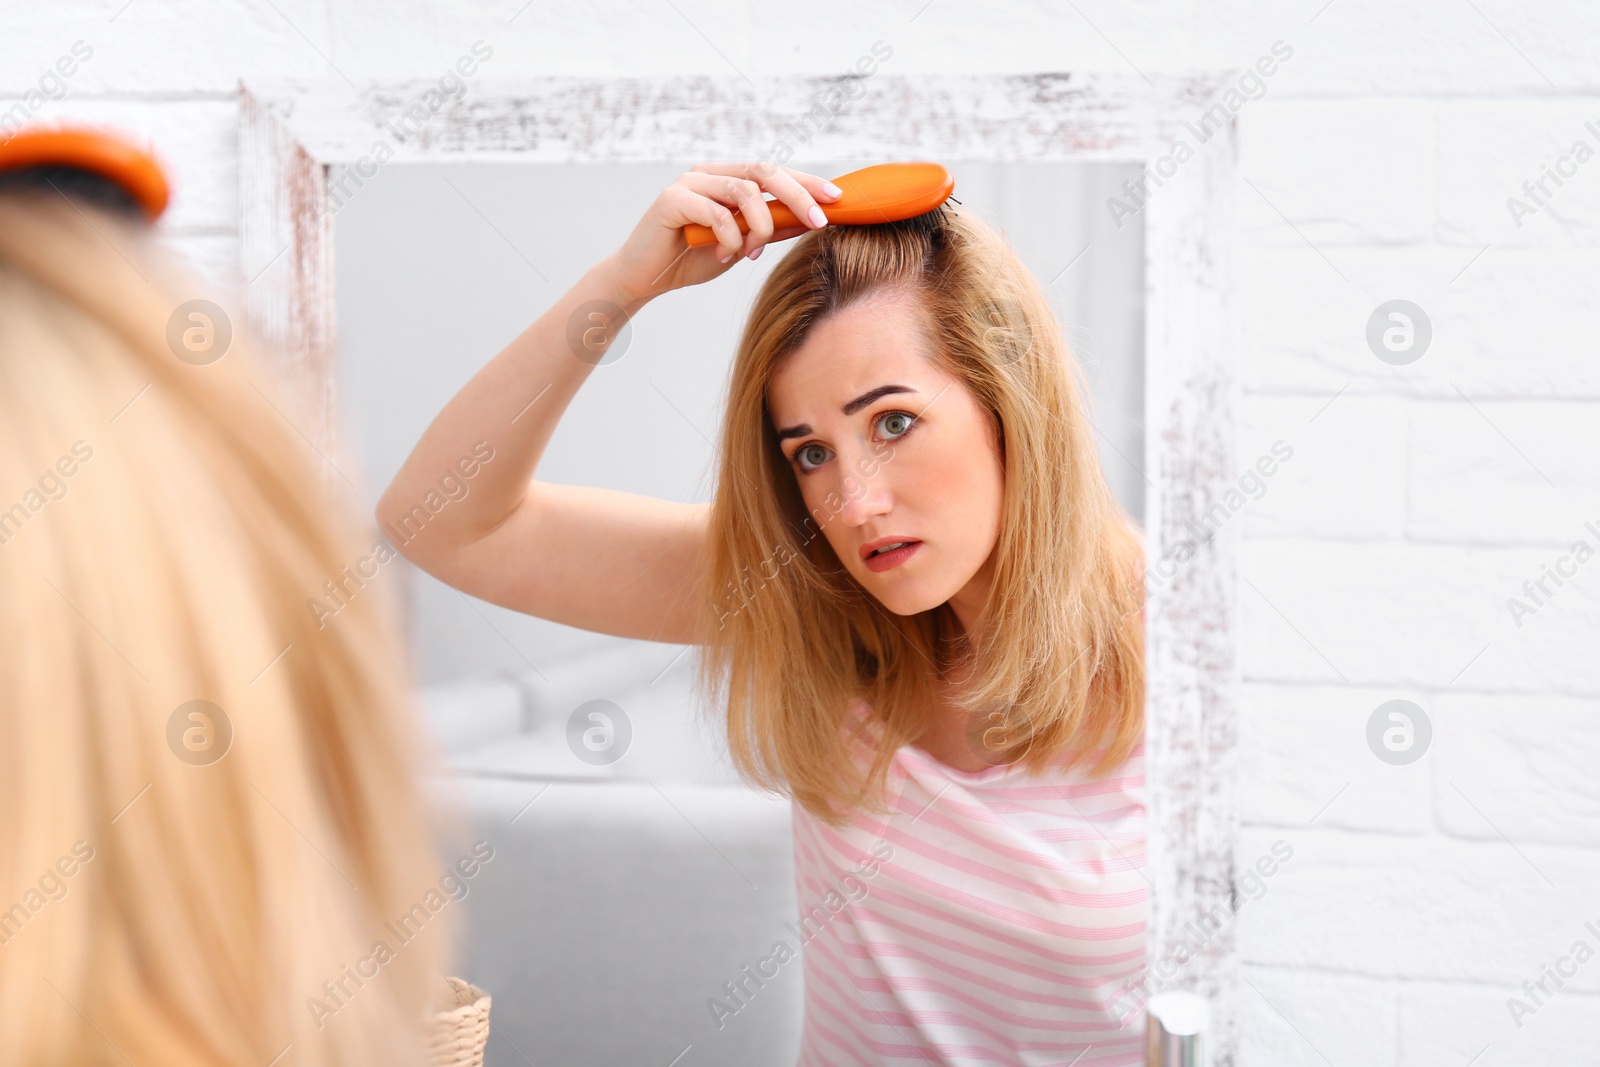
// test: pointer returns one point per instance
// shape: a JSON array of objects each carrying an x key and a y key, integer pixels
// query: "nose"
[{"x": 864, "y": 491}]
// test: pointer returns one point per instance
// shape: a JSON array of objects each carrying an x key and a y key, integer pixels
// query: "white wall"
[{"x": 1379, "y": 561}]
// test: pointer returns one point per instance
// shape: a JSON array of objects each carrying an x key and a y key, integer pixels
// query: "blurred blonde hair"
[
  {"x": 171, "y": 529},
  {"x": 790, "y": 637}
]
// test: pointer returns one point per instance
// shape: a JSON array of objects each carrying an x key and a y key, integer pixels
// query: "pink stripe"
[
  {"x": 1082, "y": 899},
  {"x": 960, "y": 1053},
  {"x": 914, "y": 759},
  {"x": 1006, "y": 807},
  {"x": 991, "y": 811},
  {"x": 954, "y": 919},
  {"x": 868, "y": 949},
  {"x": 950, "y": 945},
  {"x": 1047, "y": 861},
  {"x": 1045, "y": 826},
  {"x": 1077, "y": 791},
  {"x": 974, "y": 903},
  {"x": 959, "y": 918},
  {"x": 1046, "y": 835},
  {"x": 896, "y": 1018},
  {"x": 1120, "y": 1050},
  {"x": 1127, "y": 811},
  {"x": 956, "y": 862},
  {"x": 947, "y": 1018},
  {"x": 893, "y": 984},
  {"x": 1101, "y": 963},
  {"x": 884, "y": 1047},
  {"x": 860, "y": 1040}
]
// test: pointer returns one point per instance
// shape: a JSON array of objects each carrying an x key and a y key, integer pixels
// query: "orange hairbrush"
[
  {"x": 106, "y": 155},
  {"x": 884, "y": 192}
]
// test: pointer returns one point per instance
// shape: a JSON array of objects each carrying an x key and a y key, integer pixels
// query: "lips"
[
  {"x": 871, "y": 547},
  {"x": 888, "y": 552}
]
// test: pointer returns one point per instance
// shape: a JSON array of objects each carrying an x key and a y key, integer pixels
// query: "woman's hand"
[{"x": 656, "y": 258}]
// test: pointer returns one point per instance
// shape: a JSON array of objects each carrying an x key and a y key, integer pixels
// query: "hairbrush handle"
[
  {"x": 782, "y": 216},
  {"x": 883, "y": 192}
]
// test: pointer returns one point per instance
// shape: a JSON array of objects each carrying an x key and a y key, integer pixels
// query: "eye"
[
  {"x": 895, "y": 423},
  {"x": 891, "y": 426},
  {"x": 810, "y": 457}
]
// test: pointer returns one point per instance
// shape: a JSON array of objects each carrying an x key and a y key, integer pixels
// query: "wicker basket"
[{"x": 460, "y": 1025}]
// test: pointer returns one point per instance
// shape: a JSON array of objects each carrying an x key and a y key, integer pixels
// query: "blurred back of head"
[{"x": 180, "y": 882}]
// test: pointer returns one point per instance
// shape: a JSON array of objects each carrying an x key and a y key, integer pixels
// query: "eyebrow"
[{"x": 849, "y": 409}]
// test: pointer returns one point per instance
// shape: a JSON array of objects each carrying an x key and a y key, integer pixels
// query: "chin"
[{"x": 911, "y": 598}]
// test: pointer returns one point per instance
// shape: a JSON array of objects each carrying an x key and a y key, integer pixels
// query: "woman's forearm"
[{"x": 512, "y": 404}]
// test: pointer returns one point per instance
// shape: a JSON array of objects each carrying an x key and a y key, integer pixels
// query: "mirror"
[{"x": 629, "y": 894}]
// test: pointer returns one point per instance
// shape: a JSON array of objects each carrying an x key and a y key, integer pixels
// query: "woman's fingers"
[
  {"x": 746, "y": 196},
  {"x": 797, "y": 189},
  {"x": 689, "y": 205},
  {"x": 804, "y": 193},
  {"x": 654, "y": 258}
]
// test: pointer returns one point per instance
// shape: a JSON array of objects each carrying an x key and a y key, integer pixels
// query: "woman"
[
  {"x": 917, "y": 602},
  {"x": 212, "y": 804}
]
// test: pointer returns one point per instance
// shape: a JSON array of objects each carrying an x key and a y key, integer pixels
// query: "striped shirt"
[{"x": 994, "y": 918}]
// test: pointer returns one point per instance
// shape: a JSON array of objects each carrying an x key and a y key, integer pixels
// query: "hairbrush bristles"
[
  {"x": 75, "y": 184},
  {"x": 933, "y": 223}
]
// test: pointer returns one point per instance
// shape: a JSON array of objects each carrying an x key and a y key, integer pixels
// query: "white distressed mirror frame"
[{"x": 297, "y": 138}]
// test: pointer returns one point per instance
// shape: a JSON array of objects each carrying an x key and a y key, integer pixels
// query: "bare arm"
[{"x": 618, "y": 563}]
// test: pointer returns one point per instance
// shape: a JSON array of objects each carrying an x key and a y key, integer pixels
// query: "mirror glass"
[{"x": 625, "y": 893}]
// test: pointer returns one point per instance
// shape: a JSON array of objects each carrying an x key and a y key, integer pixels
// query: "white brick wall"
[{"x": 1380, "y": 557}]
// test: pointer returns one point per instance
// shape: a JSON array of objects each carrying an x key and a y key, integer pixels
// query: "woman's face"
[{"x": 888, "y": 447}]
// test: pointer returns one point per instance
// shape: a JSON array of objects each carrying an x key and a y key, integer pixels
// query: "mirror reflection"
[{"x": 780, "y": 619}]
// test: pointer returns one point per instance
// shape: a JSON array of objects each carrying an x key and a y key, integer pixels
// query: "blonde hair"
[
  {"x": 790, "y": 639},
  {"x": 162, "y": 527}
]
